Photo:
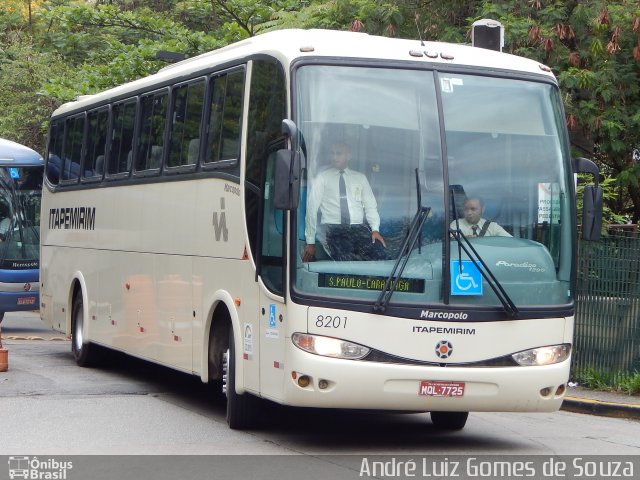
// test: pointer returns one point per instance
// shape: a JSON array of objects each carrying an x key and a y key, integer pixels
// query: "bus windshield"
[
  {"x": 484, "y": 158},
  {"x": 20, "y": 194}
]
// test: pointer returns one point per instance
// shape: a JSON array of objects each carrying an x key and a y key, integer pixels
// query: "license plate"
[
  {"x": 429, "y": 388},
  {"x": 26, "y": 301}
]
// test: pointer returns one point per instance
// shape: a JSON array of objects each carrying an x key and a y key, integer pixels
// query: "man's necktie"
[
  {"x": 475, "y": 230},
  {"x": 345, "y": 218}
]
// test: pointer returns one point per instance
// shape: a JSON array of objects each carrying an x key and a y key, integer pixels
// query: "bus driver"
[
  {"x": 345, "y": 200},
  {"x": 474, "y": 225}
]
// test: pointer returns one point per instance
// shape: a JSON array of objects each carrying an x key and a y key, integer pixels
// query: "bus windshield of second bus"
[
  {"x": 21, "y": 172},
  {"x": 503, "y": 147}
]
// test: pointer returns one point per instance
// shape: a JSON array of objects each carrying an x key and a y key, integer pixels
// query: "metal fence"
[{"x": 607, "y": 332}]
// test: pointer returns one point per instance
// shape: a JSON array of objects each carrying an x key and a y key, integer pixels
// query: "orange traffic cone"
[{"x": 4, "y": 356}]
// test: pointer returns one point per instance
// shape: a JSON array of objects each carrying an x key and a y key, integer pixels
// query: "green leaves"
[{"x": 72, "y": 47}]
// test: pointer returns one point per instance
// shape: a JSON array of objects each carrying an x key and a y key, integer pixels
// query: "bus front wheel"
[
  {"x": 243, "y": 411},
  {"x": 83, "y": 351},
  {"x": 449, "y": 420}
]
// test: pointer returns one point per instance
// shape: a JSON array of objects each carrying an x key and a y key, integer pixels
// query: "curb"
[
  {"x": 600, "y": 408},
  {"x": 33, "y": 337}
]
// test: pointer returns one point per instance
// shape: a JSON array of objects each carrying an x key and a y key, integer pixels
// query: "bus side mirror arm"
[
  {"x": 287, "y": 180},
  {"x": 290, "y": 130},
  {"x": 584, "y": 165},
  {"x": 592, "y": 200},
  {"x": 287, "y": 175}
]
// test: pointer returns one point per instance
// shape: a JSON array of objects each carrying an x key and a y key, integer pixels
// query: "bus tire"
[
  {"x": 243, "y": 411},
  {"x": 449, "y": 420},
  {"x": 83, "y": 352}
]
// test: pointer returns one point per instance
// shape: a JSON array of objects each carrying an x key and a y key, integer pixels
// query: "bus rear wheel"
[
  {"x": 449, "y": 420},
  {"x": 243, "y": 411},
  {"x": 83, "y": 352}
]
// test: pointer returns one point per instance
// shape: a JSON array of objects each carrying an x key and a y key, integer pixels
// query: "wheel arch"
[
  {"x": 222, "y": 315},
  {"x": 78, "y": 286}
]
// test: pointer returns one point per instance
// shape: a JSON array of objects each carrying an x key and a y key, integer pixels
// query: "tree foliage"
[
  {"x": 53, "y": 50},
  {"x": 592, "y": 47}
]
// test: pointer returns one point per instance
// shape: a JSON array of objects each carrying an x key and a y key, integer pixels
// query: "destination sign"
[{"x": 366, "y": 282}]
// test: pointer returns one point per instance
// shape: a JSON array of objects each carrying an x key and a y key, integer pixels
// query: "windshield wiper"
[
  {"x": 464, "y": 244},
  {"x": 414, "y": 233},
  {"x": 407, "y": 247}
]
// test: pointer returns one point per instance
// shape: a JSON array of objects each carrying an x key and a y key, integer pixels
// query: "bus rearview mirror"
[
  {"x": 287, "y": 180},
  {"x": 592, "y": 212}
]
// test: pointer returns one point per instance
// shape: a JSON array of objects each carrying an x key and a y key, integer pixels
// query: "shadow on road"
[{"x": 307, "y": 428}]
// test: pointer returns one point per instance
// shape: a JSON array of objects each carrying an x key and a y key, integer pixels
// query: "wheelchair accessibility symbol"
[{"x": 466, "y": 279}]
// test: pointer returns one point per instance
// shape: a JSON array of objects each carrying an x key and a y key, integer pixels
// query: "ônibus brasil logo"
[{"x": 36, "y": 469}]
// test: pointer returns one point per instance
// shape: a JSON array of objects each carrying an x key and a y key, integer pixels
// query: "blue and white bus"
[{"x": 20, "y": 192}]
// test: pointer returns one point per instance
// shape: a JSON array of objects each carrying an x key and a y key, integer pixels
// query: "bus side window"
[
  {"x": 267, "y": 103},
  {"x": 225, "y": 118},
  {"x": 272, "y": 232},
  {"x": 123, "y": 119},
  {"x": 184, "y": 140},
  {"x": 72, "y": 150},
  {"x": 96, "y": 144},
  {"x": 153, "y": 122},
  {"x": 54, "y": 157}
]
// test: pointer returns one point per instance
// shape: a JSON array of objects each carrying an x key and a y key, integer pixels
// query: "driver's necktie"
[
  {"x": 475, "y": 230},
  {"x": 345, "y": 218}
]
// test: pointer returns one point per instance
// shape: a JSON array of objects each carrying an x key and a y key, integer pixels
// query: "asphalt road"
[{"x": 49, "y": 406}]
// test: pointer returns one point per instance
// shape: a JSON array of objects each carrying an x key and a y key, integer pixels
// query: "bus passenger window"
[
  {"x": 124, "y": 115},
  {"x": 188, "y": 101},
  {"x": 96, "y": 144},
  {"x": 72, "y": 153},
  {"x": 223, "y": 139},
  {"x": 152, "y": 127},
  {"x": 54, "y": 161}
]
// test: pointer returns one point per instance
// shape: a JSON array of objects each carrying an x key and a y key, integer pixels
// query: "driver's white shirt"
[
  {"x": 324, "y": 195},
  {"x": 493, "y": 230}
]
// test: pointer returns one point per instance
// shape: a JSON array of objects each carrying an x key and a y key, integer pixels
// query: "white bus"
[{"x": 174, "y": 226}]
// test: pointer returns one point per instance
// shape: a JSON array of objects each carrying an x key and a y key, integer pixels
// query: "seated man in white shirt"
[
  {"x": 473, "y": 225},
  {"x": 345, "y": 200}
]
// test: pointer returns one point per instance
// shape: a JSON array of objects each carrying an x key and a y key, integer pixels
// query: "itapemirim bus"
[
  {"x": 21, "y": 170},
  {"x": 174, "y": 226}
]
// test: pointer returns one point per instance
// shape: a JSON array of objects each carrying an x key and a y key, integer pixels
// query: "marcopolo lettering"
[
  {"x": 73, "y": 218},
  {"x": 428, "y": 314}
]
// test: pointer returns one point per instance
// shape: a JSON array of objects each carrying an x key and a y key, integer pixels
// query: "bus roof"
[
  {"x": 13, "y": 154},
  {"x": 289, "y": 45}
]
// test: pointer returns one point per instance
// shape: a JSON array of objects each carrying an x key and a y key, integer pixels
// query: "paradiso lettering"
[{"x": 73, "y": 218}]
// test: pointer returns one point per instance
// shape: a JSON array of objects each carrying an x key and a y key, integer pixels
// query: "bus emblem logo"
[
  {"x": 27, "y": 287},
  {"x": 220, "y": 223},
  {"x": 444, "y": 349}
]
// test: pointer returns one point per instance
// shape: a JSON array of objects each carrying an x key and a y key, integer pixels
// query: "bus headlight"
[
  {"x": 543, "y": 355},
  {"x": 329, "y": 347}
]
